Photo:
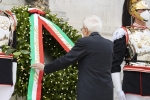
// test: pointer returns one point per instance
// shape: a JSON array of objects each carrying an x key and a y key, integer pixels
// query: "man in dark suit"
[{"x": 94, "y": 55}]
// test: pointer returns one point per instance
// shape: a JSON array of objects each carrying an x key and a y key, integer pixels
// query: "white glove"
[
  {"x": 117, "y": 84},
  {"x": 121, "y": 95}
]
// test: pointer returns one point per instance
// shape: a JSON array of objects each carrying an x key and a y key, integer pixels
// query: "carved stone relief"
[{"x": 41, "y": 4}]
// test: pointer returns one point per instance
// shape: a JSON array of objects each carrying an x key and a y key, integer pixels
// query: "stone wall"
[
  {"x": 8, "y": 4},
  {"x": 75, "y": 10},
  {"x": 108, "y": 10}
]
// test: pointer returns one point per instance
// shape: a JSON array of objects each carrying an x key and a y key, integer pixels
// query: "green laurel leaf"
[
  {"x": 24, "y": 51},
  {"x": 16, "y": 53},
  {"x": 10, "y": 51}
]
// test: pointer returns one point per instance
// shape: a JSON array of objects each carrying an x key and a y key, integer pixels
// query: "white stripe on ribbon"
[{"x": 37, "y": 59}]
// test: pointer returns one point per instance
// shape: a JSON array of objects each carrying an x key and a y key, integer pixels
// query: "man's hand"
[{"x": 38, "y": 66}]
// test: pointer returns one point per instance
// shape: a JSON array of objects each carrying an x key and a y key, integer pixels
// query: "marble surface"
[
  {"x": 8, "y": 4},
  {"x": 109, "y": 11},
  {"x": 75, "y": 10}
]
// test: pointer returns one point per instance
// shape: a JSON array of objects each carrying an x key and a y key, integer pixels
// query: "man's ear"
[{"x": 86, "y": 32}]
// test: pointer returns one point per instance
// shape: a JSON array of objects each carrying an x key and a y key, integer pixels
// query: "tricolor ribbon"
[{"x": 37, "y": 53}]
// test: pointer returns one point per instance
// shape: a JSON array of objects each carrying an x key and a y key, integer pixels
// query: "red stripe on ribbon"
[
  {"x": 54, "y": 35},
  {"x": 41, "y": 51},
  {"x": 41, "y": 54}
]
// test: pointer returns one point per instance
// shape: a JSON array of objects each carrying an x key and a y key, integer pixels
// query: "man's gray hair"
[{"x": 93, "y": 23}]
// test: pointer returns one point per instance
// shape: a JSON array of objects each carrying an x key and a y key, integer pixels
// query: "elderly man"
[{"x": 94, "y": 55}]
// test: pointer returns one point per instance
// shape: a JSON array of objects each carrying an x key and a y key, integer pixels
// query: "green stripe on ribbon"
[
  {"x": 32, "y": 54},
  {"x": 63, "y": 34}
]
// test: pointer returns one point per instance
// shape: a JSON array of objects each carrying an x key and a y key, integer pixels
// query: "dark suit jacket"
[{"x": 94, "y": 55}]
